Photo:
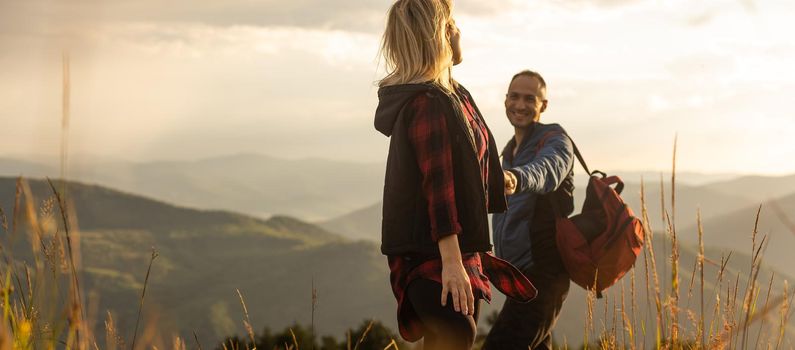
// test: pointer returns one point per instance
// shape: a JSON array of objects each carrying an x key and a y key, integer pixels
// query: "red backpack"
[{"x": 601, "y": 243}]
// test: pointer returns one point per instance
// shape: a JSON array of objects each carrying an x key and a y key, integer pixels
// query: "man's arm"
[{"x": 546, "y": 172}]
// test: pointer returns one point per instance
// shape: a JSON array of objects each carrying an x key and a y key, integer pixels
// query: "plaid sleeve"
[
  {"x": 508, "y": 279},
  {"x": 429, "y": 137}
]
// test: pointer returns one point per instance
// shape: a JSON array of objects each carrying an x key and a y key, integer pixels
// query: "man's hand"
[{"x": 510, "y": 182}]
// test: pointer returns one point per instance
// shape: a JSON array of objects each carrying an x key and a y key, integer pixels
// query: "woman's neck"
[{"x": 446, "y": 79}]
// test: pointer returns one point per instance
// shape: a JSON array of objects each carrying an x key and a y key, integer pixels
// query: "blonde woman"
[{"x": 443, "y": 177}]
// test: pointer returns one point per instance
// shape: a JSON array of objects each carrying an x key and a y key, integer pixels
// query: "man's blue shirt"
[{"x": 538, "y": 172}]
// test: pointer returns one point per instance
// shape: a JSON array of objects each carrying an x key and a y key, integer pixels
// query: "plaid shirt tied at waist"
[{"x": 481, "y": 268}]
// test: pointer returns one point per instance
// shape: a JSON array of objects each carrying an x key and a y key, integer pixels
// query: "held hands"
[{"x": 510, "y": 182}]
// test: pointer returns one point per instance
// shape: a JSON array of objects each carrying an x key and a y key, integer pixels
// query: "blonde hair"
[{"x": 415, "y": 44}]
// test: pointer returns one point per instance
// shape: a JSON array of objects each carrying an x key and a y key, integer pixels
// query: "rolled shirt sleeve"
[
  {"x": 548, "y": 169},
  {"x": 429, "y": 137}
]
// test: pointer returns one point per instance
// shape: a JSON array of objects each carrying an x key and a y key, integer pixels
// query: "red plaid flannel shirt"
[
  {"x": 429, "y": 136},
  {"x": 481, "y": 268}
]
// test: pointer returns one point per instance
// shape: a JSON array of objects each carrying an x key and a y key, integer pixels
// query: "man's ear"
[{"x": 543, "y": 106}]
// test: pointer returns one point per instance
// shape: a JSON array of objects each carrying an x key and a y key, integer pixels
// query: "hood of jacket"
[{"x": 391, "y": 100}]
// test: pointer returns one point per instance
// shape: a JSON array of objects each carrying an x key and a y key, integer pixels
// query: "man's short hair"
[{"x": 532, "y": 74}]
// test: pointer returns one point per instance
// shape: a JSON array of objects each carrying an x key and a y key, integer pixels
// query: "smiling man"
[{"x": 538, "y": 164}]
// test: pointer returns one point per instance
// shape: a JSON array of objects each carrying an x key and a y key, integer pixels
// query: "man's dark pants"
[{"x": 529, "y": 325}]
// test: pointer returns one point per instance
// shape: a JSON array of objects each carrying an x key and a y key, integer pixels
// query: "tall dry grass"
[
  {"x": 49, "y": 309},
  {"x": 42, "y": 298},
  {"x": 742, "y": 313}
]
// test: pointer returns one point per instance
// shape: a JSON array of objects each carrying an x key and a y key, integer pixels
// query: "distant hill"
[
  {"x": 16, "y": 167},
  {"x": 757, "y": 188},
  {"x": 100, "y": 208},
  {"x": 364, "y": 223},
  {"x": 205, "y": 255},
  {"x": 689, "y": 200},
  {"x": 259, "y": 185},
  {"x": 777, "y": 220}
]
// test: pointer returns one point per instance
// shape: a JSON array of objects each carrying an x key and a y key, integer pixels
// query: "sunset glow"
[{"x": 152, "y": 83}]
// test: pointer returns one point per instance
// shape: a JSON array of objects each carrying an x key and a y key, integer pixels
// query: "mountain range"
[
  {"x": 311, "y": 189},
  {"x": 252, "y": 184},
  {"x": 205, "y": 256}
]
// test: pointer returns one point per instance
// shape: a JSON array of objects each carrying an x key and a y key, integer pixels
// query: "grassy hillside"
[{"x": 204, "y": 256}]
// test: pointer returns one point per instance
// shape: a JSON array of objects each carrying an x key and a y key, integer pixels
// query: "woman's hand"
[
  {"x": 455, "y": 280},
  {"x": 510, "y": 182}
]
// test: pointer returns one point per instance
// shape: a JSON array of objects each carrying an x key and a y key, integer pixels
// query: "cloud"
[
  {"x": 172, "y": 78},
  {"x": 595, "y": 3},
  {"x": 702, "y": 66},
  {"x": 349, "y": 15},
  {"x": 701, "y": 19},
  {"x": 706, "y": 13}
]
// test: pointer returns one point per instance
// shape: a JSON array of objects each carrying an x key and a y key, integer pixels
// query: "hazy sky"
[{"x": 191, "y": 79}]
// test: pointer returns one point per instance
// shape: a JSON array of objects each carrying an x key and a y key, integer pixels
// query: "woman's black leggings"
[{"x": 443, "y": 327}]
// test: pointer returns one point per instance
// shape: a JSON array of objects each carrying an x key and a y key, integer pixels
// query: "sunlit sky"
[{"x": 155, "y": 80}]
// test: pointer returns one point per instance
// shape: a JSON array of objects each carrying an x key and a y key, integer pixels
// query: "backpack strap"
[
  {"x": 578, "y": 154},
  {"x": 576, "y": 150}
]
